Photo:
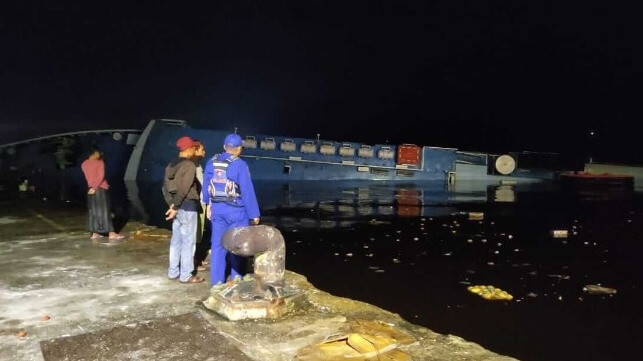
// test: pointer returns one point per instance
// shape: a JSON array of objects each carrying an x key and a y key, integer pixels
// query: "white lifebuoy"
[{"x": 505, "y": 164}]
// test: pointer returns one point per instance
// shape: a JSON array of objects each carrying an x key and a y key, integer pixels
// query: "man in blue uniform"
[{"x": 230, "y": 196}]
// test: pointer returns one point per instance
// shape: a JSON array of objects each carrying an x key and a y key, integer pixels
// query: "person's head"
[
  {"x": 232, "y": 144},
  {"x": 186, "y": 147},
  {"x": 199, "y": 149},
  {"x": 94, "y": 154}
]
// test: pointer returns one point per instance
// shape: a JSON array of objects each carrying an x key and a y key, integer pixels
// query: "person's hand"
[
  {"x": 171, "y": 213},
  {"x": 208, "y": 212},
  {"x": 91, "y": 191},
  {"x": 255, "y": 221}
]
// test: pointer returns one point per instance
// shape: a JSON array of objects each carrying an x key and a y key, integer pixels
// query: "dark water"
[{"x": 412, "y": 250}]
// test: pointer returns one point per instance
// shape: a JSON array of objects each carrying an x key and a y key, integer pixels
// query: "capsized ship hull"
[
  {"x": 278, "y": 158},
  {"x": 54, "y": 161}
]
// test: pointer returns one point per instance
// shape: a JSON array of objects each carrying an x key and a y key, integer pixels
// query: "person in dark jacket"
[{"x": 181, "y": 191}]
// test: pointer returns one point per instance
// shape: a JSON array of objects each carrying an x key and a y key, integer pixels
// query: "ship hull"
[
  {"x": 53, "y": 162},
  {"x": 156, "y": 149}
]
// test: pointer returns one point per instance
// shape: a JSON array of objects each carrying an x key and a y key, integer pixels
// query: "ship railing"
[
  {"x": 82, "y": 132},
  {"x": 177, "y": 122}
]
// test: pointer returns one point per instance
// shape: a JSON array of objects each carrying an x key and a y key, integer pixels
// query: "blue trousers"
[
  {"x": 182, "y": 244},
  {"x": 223, "y": 218}
]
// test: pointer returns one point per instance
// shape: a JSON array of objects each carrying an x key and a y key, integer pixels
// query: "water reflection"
[
  {"x": 504, "y": 193},
  {"x": 337, "y": 204}
]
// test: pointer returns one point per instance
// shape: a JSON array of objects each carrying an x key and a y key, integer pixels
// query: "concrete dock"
[{"x": 78, "y": 299}]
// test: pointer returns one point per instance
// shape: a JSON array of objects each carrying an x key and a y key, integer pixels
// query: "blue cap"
[{"x": 232, "y": 141}]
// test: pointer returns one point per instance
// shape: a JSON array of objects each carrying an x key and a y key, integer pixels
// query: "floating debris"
[
  {"x": 560, "y": 277},
  {"x": 375, "y": 222},
  {"x": 416, "y": 239},
  {"x": 395, "y": 260},
  {"x": 469, "y": 240},
  {"x": 560, "y": 233},
  {"x": 476, "y": 216},
  {"x": 448, "y": 254},
  {"x": 532, "y": 295},
  {"x": 599, "y": 290},
  {"x": 349, "y": 255},
  {"x": 46, "y": 318},
  {"x": 491, "y": 264},
  {"x": 490, "y": 293},
  {"x": 510, "y": 236},
  {"x": 22, "y": 334}
]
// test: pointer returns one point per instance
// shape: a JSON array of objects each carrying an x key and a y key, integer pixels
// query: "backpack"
[
  {"x": 222, "y": 189},
  {"x": 170, "y": 187}
]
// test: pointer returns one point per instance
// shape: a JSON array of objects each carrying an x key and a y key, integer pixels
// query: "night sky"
[{"x": 477, "y": 75}]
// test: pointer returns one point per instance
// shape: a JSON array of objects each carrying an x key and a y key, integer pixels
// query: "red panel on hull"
[{"x": 408, "y": 154}]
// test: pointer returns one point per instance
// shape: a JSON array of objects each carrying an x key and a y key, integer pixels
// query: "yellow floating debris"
[
  {"x": 490, "y": 293},
  {"x": 560, "y": 233},
  {"x": 476, "y": 216}
]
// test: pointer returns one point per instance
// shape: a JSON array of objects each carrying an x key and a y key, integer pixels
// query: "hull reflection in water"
[{"x": 336, "y": 204}]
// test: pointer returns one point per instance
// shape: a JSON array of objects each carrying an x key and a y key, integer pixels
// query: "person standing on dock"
[
  {"x": 231, "y": 201},
  {"x": 100, "y": 218},
  {"x": 204, "y": 231},
  {"x": 181, "y": 192}
]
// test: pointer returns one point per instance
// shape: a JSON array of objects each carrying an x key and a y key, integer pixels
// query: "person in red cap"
[{"x": 181, "y": 192}]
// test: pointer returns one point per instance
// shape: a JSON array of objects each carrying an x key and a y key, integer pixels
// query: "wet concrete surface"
[
  {"x": 82, "y": 285},
  {"x": 187, "y": 336},
  {"x": 66, "y": 297}
]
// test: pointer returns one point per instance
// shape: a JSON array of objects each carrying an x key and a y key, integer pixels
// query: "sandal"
[
  {"x": 194, "y": 279},
  {"x": 201, "y": 268}
]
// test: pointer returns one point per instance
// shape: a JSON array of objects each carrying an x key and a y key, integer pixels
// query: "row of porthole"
[{"x": 327, "y": 148}]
